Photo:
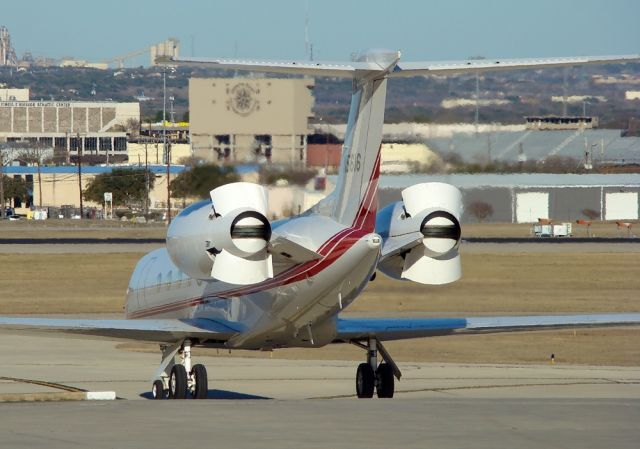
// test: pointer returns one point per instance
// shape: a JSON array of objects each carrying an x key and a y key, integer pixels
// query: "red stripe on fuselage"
[{"x": 332, "y": 249}]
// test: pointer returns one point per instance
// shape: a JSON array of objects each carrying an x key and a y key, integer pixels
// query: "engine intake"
[
  {"x": 227, "y": 241},
  {"x": 432, "y": 210}
]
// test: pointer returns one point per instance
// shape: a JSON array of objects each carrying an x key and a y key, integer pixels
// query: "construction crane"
[
  {"x": 169, "y": 47},
  {"x": 120, "y": 59}
]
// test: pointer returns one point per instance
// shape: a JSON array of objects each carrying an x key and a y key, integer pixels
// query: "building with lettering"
[{"x": 69, "y": 127}]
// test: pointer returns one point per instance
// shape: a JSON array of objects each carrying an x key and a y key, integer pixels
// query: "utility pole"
[
  {"x": 3, "y": 213},
  {"x": 39, "y": 155},
  {"x": 79, "y": 162},
  {"x": 477, "y": 115},
  {"x": 146, "y": 179},
  {"x": 167, "y": 150}
]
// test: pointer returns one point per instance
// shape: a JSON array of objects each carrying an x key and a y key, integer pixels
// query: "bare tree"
[
  {"x": 590, "y": 214},
  {"x": 480, "y": 210}
]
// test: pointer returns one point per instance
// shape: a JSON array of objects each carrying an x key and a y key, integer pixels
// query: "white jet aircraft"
[{"x": 228, "y": 278}]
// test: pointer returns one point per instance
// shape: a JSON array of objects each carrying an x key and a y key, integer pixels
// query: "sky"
[{"x": 421, "y": 30}]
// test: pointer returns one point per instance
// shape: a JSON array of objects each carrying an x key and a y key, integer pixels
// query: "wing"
[
  {"x": 350, "y": 329},
  {"x": 161, "y": 331}
]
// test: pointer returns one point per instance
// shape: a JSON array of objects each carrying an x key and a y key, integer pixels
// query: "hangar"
[{"x": 524, "y": 198}]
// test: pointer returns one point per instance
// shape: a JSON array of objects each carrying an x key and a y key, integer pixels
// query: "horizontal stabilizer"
[
  {"x": 368, "y": 64},
  {"x": 407, "y": 69},
  {"x": 310, "y": 68}
]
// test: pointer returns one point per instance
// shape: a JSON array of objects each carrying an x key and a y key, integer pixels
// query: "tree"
[
  {"x": 480, "y": 210},
  {"x": 14, "y": 188},
  {"x": 128, "y": 186},
  {"x": 200, "y": 180},
  {"x": 590, "y": 214}
]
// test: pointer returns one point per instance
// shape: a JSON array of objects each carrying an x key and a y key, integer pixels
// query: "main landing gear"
[
  {"x": 371, "y": 376},
  {"x": 176, "y": 378}
]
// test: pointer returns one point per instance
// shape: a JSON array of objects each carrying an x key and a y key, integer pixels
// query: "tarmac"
[{"x": 269, "y": 402}]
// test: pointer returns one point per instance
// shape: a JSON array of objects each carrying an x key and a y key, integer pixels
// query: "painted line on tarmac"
[
  {"x": 78, "y": 241},
  {"x": 69, "y": 393},
  {"x": 482, "y": 387}
]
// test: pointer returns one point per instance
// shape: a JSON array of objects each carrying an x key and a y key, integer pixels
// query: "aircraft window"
[
  {"x": 158, "y": 281},
  {"x": 169, "y": 279}
]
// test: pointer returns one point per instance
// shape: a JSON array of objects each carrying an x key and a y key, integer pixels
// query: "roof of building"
[
  {"x": 605, "y": 144},
  {"x": 99, "y": 169},
  {"x": 518, "y": 180},
  {"x": 88, "y": 169}
]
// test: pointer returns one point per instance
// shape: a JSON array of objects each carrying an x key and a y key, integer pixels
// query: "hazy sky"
[{"x": 422, "y": 30}]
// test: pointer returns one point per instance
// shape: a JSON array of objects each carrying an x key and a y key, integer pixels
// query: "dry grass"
[
  {"x": 492, "y": 284},
  {"x": 67, "y": 229},
  {"x": 64, "y": 283}
]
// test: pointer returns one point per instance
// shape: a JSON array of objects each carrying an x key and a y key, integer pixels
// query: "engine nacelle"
[
  {"x": 431, "y": 211},
  {"x": 226, "y": 239}
]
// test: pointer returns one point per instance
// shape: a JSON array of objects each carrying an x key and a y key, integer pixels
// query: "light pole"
[
  {"x": 79, "y": 161},
  {"x": 3, "y": 213},
  {"x": 167, "y": 151}
]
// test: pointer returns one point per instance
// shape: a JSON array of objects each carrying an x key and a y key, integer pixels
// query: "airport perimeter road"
[{"x": 272, "y": 403}]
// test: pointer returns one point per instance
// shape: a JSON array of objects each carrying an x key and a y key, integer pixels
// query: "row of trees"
[{"x": 129, "y": 187}]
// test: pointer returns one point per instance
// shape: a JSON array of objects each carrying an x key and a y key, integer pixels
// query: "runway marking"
[
  {"x": 479, "y": 387},
  {"x": 44, "y": 383}
]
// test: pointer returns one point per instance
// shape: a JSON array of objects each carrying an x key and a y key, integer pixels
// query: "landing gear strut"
[
  {"x": 372, "y": 376},
  {"x": 176, "y": 378}
]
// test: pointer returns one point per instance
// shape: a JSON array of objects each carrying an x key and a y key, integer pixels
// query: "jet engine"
[
  {"x": 422, "y": 234},
  {"x": 226, "y": 239}
]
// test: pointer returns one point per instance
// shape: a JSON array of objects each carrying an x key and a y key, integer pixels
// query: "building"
[
  {"x": 59, "y": 186},
  {"x": 555, "y": 122},
  {"x": 250, "y": 119},
  {"x": 93, "y": 128},
  {"x": 7, "y": 94},
  {"x": 518, "y": 198}
]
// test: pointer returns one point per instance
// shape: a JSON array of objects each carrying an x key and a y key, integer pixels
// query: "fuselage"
[{"x": 297, "y": 307}]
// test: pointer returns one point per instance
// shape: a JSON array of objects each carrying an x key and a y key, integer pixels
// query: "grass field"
[
  {"x": 107, "y": 229},
  {"x": 502, "y": 283}
]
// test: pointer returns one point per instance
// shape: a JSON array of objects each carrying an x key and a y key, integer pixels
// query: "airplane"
[{"x": 229, "y": 278}]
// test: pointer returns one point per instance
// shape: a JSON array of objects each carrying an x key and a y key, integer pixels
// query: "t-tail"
[{"x": 354, "y": 200}]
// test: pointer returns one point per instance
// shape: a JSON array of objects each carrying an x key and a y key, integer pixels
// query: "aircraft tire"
[
  {"x": 385, "y": 384},
  {"x": 365, "y": 381},
  {"x": 199, "y": 373},
  {"x": 158, "y": 391},
  {"x": 178, "y": 382}
]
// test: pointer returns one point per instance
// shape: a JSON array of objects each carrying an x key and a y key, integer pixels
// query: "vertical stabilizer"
[{"x": 354, "y": 202}]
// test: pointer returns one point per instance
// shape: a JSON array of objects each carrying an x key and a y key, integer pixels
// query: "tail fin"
[{"x": 354, "y": 202}]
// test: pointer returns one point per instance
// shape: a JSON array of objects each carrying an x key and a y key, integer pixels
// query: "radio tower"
[{"x": 7, "y": 53}]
